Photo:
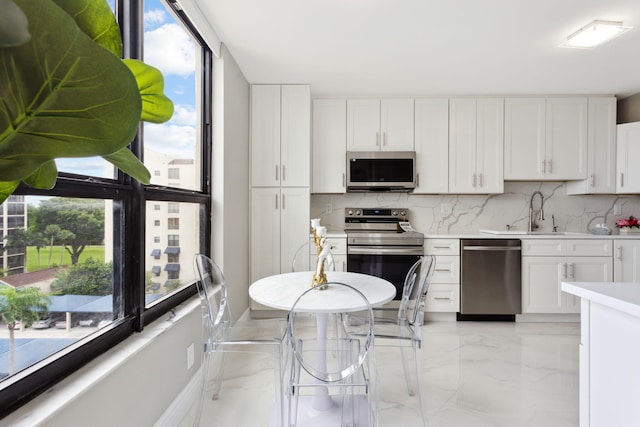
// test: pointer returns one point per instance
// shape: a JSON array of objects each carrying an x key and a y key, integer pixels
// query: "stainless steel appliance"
[
  {"x": 490, "y": 279},
  {"x": 381, "y": 171},
  {"x": 378, "y": 245}
]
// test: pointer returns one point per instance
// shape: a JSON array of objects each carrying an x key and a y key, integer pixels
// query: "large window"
[{"x": 100, "y": 248}]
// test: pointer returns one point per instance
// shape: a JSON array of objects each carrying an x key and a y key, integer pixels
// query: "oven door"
[{"x": 388, "y": 262}]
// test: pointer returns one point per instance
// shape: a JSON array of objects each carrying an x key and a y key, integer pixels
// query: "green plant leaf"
[
  {"x": 62, "y": 95},
  {"x": 44, "y": 177},
  {"x": 95, "y": 19},
  {"x": 6, "y": 189},
  {"x": 156, "y": 107},
  {"x": 129, "y": 164}
]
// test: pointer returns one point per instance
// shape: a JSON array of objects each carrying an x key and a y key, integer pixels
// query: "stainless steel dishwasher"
[{"x": 490, "y": 281}]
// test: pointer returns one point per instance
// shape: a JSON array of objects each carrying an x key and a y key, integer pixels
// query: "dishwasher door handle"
[{"x": 492, "y": 248}]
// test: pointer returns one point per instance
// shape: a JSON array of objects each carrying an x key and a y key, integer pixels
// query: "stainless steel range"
[{"x": 377, "y": 244}]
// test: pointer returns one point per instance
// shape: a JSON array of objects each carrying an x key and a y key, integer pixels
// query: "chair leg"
[
  {"x": 203, "y": 389},
  {"x": 219, "y": 374},
  {"x": 412, "y": 375}
]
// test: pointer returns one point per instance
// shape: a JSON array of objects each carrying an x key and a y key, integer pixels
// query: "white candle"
[{"x": 315, "y": 222}]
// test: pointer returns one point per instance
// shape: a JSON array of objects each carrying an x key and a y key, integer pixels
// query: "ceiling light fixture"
[{"x": 594, "y": 34}]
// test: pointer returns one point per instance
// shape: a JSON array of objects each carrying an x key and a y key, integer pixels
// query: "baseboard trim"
[{"x": 182, "y": 404}]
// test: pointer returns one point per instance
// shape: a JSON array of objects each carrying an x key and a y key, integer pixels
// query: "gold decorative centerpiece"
[{"x": 323, "y": 247}]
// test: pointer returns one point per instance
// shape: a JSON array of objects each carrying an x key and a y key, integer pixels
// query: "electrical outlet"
[
  {"x": 617, "y": 209},
  {"x": 190, "y": 356},
  {"x": 328, "y": 208}
]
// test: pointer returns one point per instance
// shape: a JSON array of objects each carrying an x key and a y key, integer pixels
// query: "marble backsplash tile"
[{"x": 451, "y": 213}]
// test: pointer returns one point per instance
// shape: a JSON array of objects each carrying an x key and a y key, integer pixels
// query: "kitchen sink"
[{"x": 530, "y": 233}]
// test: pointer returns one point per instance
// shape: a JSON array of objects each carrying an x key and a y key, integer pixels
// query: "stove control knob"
[
  {"x": 359, "y": 212},
  {"x": 394, "y": 213},
  {"x": 403, "y": 213},
  {"x": 350, "y": 212}
]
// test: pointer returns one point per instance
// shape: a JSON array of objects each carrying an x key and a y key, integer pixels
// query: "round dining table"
[{"x": 281, "y": 291}]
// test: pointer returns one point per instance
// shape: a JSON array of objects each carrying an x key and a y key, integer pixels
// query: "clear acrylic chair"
[
  {"x": 222, "y": 335},
  {"x": 405, "y": 331},
  {"x": 331, "y": 376},
  {"x": 301, "y": 260}
]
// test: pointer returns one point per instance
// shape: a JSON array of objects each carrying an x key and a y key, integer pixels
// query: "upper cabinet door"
[
  {"x": 524, "y": 138},
  {"x": 363, "y": 125},
  {"x": 462, "y": 145},
  {"x": 566, "y": 139},
  {"x": 329, "y": 145},
  {"x": 396, "y": 125},
  {"x": 628, "y": 176},
  {"x": 432, "y": 145},
  {"x": 295, "y": 139},
  {"x": 490, "y": 145},
  {"x": 601, "y": 149},
  {"x": 265, "y": 135}
]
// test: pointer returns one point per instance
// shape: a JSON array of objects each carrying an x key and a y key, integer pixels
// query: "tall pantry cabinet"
[{"x": 280, "y": 175}]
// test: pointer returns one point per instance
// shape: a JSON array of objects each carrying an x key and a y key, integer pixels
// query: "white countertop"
[
  {"x": 624, "y": 297},
  {"x": 524, "y": 235}
]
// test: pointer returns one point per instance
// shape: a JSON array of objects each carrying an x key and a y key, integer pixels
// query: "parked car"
[
  {"x": 62, "y": 324},
  {"x": 45, "y": 323}
]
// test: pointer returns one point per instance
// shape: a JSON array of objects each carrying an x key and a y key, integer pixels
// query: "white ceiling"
[{"x": 429, "y": 47}]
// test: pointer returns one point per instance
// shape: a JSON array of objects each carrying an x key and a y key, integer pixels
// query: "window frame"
[{"x": 129, "y": 198}]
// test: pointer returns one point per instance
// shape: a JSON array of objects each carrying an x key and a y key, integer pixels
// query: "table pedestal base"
[{"x": 310, "y": 417}]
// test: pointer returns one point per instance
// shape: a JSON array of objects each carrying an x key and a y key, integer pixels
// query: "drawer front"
[
  {"x": 446, "y": 270},
  {"x": 543, "y": 247},
  {"x": 442, "y": 246},
  {"x": 338, "y": 246},
  {"x": 443, "y": 298},
  {"x": 595, "y": 247}
]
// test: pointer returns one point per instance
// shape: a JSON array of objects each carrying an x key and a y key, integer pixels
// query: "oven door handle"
[{"x": 384, "y": 250}]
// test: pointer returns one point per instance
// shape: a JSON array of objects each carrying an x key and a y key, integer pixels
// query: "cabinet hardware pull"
[
  {"x": 544, "y": 167},
  {"x": 550, "y": 168},
  {"x": 442, "y": 269},
  {"x": 344, "y": 179},
  {"x": 442, "y": 298},
  {"x": 276, "y": 172},
  {"x": 474, "y": 180},
  {"x": 276, "y": 202},
  {"x": 283, "y": 201},
  {"x": 573, "y": 270},
  {"x": 564, "y": 266},
  {"x": 283, "y": 178},
  {"x": 619, "y": 253},
  {"x": 384, "y": 138},
  {"x": 417, "y": 180},
  {"x": 377, "y": 139},
  {"x": 592, "y": 180},
  {"x": 442, "y": 247},
  {"x": 621, "y": 179},
  {"x": 479, "y": 180}
]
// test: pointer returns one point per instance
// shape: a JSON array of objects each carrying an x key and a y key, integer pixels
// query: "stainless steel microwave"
[{"x": 381, "y": 171}]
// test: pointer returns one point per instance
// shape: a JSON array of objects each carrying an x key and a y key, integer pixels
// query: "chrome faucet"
[{"x": 532, "y": 218}]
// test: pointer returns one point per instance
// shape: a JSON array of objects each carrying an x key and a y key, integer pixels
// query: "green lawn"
[{"x": 96, "y": 252}]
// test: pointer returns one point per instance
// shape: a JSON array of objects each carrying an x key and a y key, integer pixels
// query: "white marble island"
[{"x": 609, "y": 352}]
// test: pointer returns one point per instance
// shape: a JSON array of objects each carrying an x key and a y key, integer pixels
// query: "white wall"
[{"x": 230, "y": 212}]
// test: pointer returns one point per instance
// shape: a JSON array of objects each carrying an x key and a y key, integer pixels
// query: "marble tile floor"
[{"x": 474, "y": 374}]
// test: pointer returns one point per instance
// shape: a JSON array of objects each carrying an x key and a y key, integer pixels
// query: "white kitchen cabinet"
[
  {"x": 476, "y": 140},
  {"x": 279, "y": 223},
  {"x": 545, "y": 139},
  {"x": 380, "y": 124},
  {"x": 548, "y": 262},
  {"x": 280, "y": 135},
  {"x": 444, "y": 292},
  {"x": 601, "y": 149},
  {"x": 338, "y": 250},
  {"x": 626, "y": 260},
  {"x": 329, "y": 146},
  {"x": 432, "y": 145},
  {"x": 628, "y": 148}
]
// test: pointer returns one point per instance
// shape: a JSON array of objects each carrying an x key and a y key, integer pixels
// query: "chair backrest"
[
  {"x": 301, "y": 258},
  {"x": 347, "y": 345},
  {"x": 212, "y": 291},
  {"x": 414, "y": 292}
]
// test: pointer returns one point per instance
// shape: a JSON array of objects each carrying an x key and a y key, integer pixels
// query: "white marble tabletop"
[
  {"x": 282, "y": 290},
  {"x": 621, "y": 296}
]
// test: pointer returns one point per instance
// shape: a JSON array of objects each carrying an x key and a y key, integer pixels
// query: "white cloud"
[
  {"x": 170, "y": 139},
  {"x": 184, "y": 115},
  {"x": 154, "y": 17},
  {"x": 170, "y": 49}
]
